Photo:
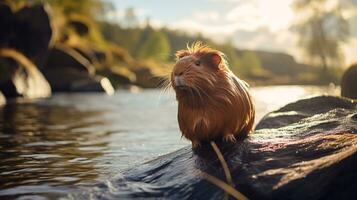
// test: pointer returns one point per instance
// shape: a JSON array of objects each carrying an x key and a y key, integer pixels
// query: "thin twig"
[
  {"x": 221, "y": 159},
  {"x": 224, "y": 186}
]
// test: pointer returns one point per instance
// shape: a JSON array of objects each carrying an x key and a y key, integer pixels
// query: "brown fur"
[{"x": 213, "y": 103}]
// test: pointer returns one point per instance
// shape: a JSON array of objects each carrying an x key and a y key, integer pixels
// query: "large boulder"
[
  {"x": 67, "y": 79},
  {"x": 62, "y": 56},
  {"x": 6, "y": 25},
  {"x": 28, "y": 30},
  {"x": 119, "y": 76},
  {"x": 306, "y": 150},
  {"x": 349, "y": 82},
  {"x": 2, "y": 99},
  {"x": 19, "y": 77},
  {"x": 68, "y": 71}
]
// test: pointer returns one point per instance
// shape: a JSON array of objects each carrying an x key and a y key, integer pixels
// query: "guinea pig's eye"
[{"x": 197, "y": 63}]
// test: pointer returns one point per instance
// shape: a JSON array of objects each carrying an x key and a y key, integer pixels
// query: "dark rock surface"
[
  {"x": 64, "y": 57},
  {"x": 72, "y": 80},
  {"x": 28, "y": 30},
  {"x": 19, "y": 77},
  {"x": 68, "y": 71},
  {"x": 349, "y": 83},
  {"x": 305, "y": 150},
  {"x": 6, "y": 20}
]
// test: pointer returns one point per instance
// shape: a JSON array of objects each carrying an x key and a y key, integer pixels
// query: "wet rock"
[
  {"x": 62, "y": 56},
  {"x": 349, "y": 83},
  {"x": 68, "y": 71},
  {"x": 19, "y": 77},
  {"x": 311, "y": 155},
  {"x": 2, "y": 99},
  {"x": 67, "y": 79},
  {"x": 95, "y": 83},
  {"x": 119, "y": 76}
]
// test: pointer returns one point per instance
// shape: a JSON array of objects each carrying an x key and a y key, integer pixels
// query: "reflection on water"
[
  {"x": 49, "y": 147},
  {"x": 45, "y": 145}
]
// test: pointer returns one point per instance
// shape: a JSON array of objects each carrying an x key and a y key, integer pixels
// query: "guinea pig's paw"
[
  {"x": 195, "y": 144},
  {"x": 229, "y": 138}
]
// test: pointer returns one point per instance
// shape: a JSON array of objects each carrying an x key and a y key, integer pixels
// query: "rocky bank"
[{"x": 305, "y": 150}]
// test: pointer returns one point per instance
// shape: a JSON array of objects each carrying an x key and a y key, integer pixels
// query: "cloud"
[
  {"x": 264, "y": 39},
  {"x": 253, "y": 24},
  {"x": 206, "y": 16}
]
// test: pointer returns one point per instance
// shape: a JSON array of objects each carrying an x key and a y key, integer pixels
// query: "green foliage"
[
  {"x": 130, "y": 20},
  {"x": 250, "y": 64},
  {"x": 154, "y": 45},
  {"x": 89, "y": 8}
]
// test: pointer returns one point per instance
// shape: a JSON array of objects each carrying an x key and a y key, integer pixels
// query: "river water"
[{"x": 50, "y": 147}]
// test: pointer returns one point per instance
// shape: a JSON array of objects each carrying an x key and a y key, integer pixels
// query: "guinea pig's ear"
[{"x": 214, "y": 59}]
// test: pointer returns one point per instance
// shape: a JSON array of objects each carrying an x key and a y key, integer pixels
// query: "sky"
[{"x": 249, "y": 24}]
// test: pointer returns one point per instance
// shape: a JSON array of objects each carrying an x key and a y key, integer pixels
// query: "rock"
[
  {"x": 305, "y": 150},
  {"x": 349, "y": 83},
  {"x": 61, "y": 56},
  {"x": 145, "y": 73},
  {"x": 2, "y": 99},
  {"x": 145, "y": 78},
  {"x": 28, "y": 31},
  {"x": 89, "y": 54},
  {"x": 120, "y": 54},
  {"x": 119, "y": 76},
  {"x": 95, "y": 83},
  {"x": 67, "y": 79},
  {"x": 6, "y": 22},
  {"x": 68, "y": 71},
  {"x": 80, "y": 27},
  {"x": 19, "y": 77}
]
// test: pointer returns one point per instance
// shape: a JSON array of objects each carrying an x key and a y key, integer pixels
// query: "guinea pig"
[{"x": 212, "y": 102}]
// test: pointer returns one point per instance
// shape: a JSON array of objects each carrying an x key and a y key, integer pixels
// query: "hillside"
[{"x": 257, "y": 67}]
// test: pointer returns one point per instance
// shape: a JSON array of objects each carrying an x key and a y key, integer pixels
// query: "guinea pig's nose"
[{"x": 179, "y": 81}]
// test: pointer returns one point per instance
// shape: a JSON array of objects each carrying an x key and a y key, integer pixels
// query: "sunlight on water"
[
  {"x": 48, "y": 147},
  {"x": 270, "y": 98}
]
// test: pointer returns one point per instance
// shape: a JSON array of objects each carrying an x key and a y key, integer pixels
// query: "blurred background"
[
  {"x": 279, "y": 42},
  {"x": 80, "y": 97}
]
